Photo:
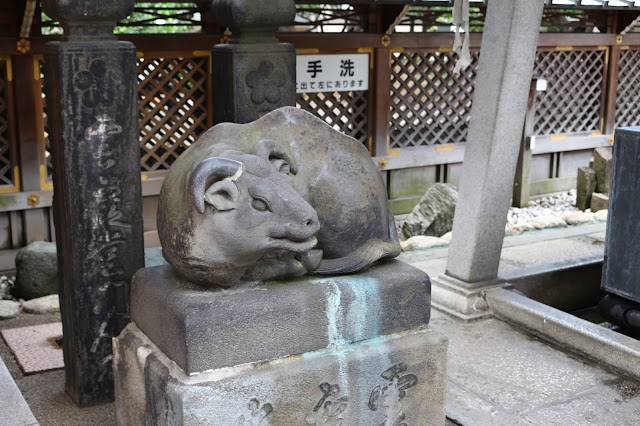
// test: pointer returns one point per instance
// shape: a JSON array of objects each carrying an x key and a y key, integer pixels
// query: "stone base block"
[
  {"x": 391, "y": 380},
  {"x": 256, "y": 323},
  {"x": 461, "y": 299}
]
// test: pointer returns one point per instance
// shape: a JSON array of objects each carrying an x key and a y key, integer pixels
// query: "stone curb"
[
  {"x": 13, "y": 407},
  {"x": 591, "y": 341}
]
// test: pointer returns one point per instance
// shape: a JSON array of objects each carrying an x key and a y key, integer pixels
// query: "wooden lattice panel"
[
  {"x": 172, "y": 106},
  {"x": 628, "y": 96},
  {"x": 344, "y": 111},
  {"x": 429, "y": 103},
  {"x": 7, "y": 142},
  {"x": 47, "y": 143},
  {"x": 573, "y": 100}
]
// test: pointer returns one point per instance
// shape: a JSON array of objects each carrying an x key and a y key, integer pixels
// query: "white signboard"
[{"x": 332, "y": 73}]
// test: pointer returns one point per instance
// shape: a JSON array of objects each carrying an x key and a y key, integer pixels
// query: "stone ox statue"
[{"x": 280, "y": 197}]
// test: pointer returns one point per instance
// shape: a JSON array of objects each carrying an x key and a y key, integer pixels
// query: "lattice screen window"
[
  {"x": 173, "y": 99},
  {"x": 429, "y": 104},
  {"x": 7, "y": 138},
  {"x": 47, "y": 143},
  {"x": 572, "y": 102},
  {"x": 344, "y": 111},
  {"x": 628, "y": 96}
]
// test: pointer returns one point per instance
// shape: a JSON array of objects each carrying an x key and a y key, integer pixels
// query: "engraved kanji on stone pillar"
[
  {"x": 90, "y": 85},
  {"x": 253, "y": 74}
]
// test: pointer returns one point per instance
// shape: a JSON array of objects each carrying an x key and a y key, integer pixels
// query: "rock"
[
  {"x": 510, "y": 231},
  {"x": 525, "y": 227},
  {"x": 422, "y": 242},
  {"x": 601, "y": 215},
  {"x": 577, "y": 218},
  {"x": 599, "y": 202},
  {"x": 36, "y": 271},
  {"x": 519, "y": 228},
  {"x": 447, "y": 236},
  {"x": 433, "y": 215},
  {"x": 586, "y": 187},
  {"x": 9, "y": 309},
  {"x": 602, "y": 158},
  {"x": 543, "y": 222},
  {"x": 42, "y": 305}
]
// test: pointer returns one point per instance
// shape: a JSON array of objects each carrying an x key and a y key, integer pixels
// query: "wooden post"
[
  {"x": 30, "y": 128},
  {"x": 521, "y": 184},
  {"x": 382, "y": 101},
  {"x": 91, "y": 88},
  {"x": 612, "y": 88}
]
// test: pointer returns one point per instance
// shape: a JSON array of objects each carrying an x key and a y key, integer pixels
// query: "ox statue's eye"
[
  {"x": 260, "y": 205},
  {"x": 285, "y": 168}
]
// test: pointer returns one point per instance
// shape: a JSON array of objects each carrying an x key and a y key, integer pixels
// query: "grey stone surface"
[
  {"x": 498, "y": 375},
  {"x": 433, "y": 215},
  {"x": 599, "y": 202},
  {"x": 292, "y": 162},
  {"x": 36, "y": 271},
  {"x": 586, "y": 185},
  {"x": 549, "y": 253},
  {"x": 389, "y": 380},
  {"x": 9, "y": 309},
  {"x": 590, "y": 340},
  {"x": 497, "y": 117},
  {"x": 14, "y": 410},
  {"x": 602, "y": 159},
  {"x": 255, "y": 323},
  {"x": 42, "y": 305}
]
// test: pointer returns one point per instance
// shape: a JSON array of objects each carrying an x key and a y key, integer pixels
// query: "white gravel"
[{"x": 554, "y": 205}]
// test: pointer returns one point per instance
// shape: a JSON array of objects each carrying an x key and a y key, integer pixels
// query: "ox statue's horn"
[
  {"x": 269, "y": 149},
  {"x": 207, "y": 172}
]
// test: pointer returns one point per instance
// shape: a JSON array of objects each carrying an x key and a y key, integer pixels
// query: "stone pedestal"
[
  {"x": 461, "y": 299},
  {"x": 318, "y": 350}
]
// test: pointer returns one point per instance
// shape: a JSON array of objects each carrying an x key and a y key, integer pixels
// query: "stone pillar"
[
  {"x": 91, "y": 90},
  {"x": 254, "y": 74},
  {"x": 497, "y": 117}
]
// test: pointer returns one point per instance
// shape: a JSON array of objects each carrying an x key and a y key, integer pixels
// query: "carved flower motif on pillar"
[{"x": 265, "y": 83}]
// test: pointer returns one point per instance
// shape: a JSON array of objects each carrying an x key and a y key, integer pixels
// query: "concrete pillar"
[
  {"x": 497, "y": 117},
  {"x": 91, "y": 90},
  {"x": 253, "y": 74}
]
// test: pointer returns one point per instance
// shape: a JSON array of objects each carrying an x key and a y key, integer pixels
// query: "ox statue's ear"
[
  {"x": 222, "y": 195},
  {"x": 277, "y": 154},
  {"x": 206, "y": 173}
]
